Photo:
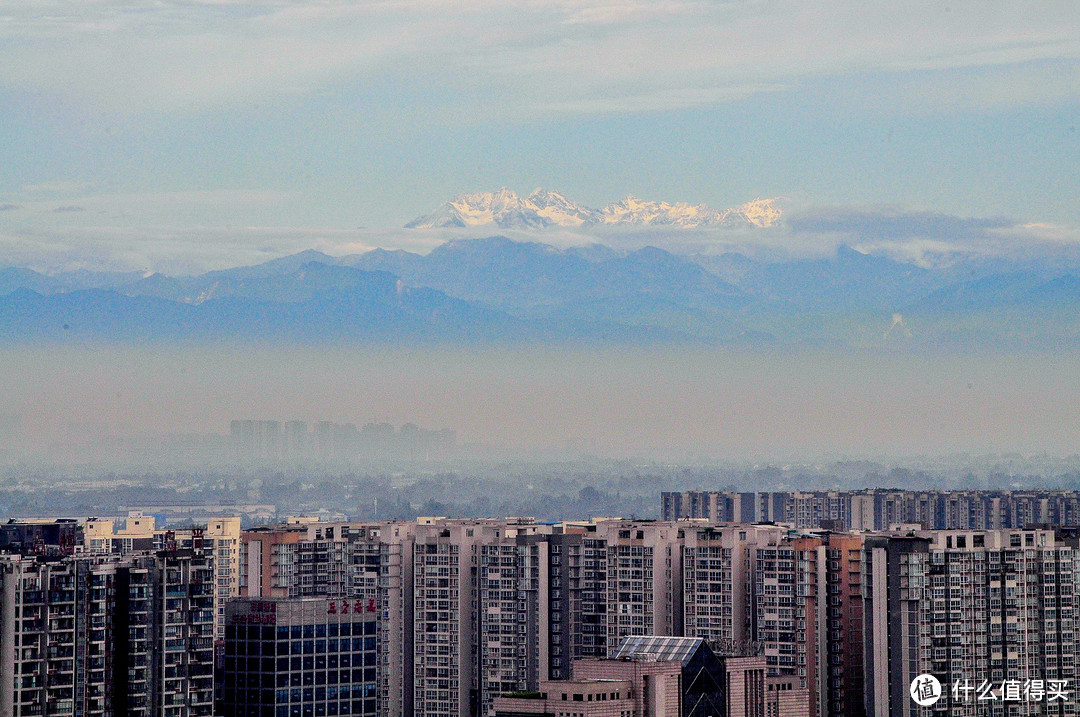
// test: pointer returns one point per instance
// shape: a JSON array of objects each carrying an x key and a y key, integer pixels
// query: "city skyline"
[{"x": 485, "y": 617}]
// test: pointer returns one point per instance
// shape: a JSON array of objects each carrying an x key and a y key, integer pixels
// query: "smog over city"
[{"x": 667, "y": 403}]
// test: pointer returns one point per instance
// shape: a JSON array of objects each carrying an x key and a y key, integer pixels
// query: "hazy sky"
[
  {"x": 298, "y": 123},
  {"x": 655, "y": 403}
]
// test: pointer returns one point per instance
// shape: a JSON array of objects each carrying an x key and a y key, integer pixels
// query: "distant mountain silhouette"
[{"x": 499, "y": 290}]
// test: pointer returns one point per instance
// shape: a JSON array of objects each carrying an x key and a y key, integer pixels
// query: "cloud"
[
  {"x": 59, "y": 187},
  {"x": 893, "y": 223},
  {"x": 991, "y": 87},
  {"x": 156, "y": 208},
  {"x": 9, "y": 207},
  {"x": 186, "y": 201},
  {"x": 659, "y": 100},
  {"x": 519, "y": 56},
  {"x": 914, "y": 236},
  {"x": 908, "y": 235},
  {"x": 188, "y": 250},
  {"x": 934, "y": 238}
]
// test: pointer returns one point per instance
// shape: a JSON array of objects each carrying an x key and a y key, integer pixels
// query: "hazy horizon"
[{"x": 658, "y": 403}]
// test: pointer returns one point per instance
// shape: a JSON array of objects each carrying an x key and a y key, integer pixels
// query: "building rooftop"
[{"x": 653, "y": 648}]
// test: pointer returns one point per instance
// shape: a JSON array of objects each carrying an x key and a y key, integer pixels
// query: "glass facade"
[{"x": 309, "y": 662}]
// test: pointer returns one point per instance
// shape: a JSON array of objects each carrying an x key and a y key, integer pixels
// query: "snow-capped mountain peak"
[
  {"x": 561, "y": 211},
  {"x": 545, "y": 208},
  {"x": 641, "y": 212},
  {"x": 759, "y": 212},
  {"x": 503, "y": 207}
]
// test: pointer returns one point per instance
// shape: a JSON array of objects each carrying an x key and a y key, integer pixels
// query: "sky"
[{"x": 175, "y": 127}]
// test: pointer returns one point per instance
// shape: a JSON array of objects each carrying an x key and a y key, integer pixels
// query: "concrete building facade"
[
  {"x": 107, "y": 635},
  {"x": 994, "y": 609}
]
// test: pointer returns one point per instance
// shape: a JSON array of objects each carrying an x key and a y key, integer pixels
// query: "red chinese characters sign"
[
  {"x": 260, "y": 612},
  {"x": 344, "y": 607}
]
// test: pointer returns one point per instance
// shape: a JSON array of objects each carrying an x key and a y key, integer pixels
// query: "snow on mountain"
[
  {"x": 561, "y": 211},
  {"x": 759, "y": 212},
  {"x": 506, "y": 209},
  {"x": 545, "y": 208},
  {"x": 637, "y": 211}
]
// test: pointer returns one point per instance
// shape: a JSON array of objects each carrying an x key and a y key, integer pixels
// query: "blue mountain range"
[{"x": 496, "y": 290}]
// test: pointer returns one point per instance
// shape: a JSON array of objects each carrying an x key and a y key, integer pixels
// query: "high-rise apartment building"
[
  {"x": 644, "y": 579},
  {"x": 38, "y": 669},
  {"x": 785, "y": 617},
  {"x": 717, "y": 570},
  {"x": 252, "y": 440},
  {"x": 39, "y": 537},
  {"x": 841, "y": 626},
  {"x": 222, "y": 539},
  {"x": 715, "y": 506},
  {"x": 382, "y": 570},
  {"x": 107, "y": 634},
  {"x": 369, "y": 561},
  {"x": 184, "y": 611},
  {"x": 295, "y": 560},
  {"x": 463, "y": 624},
  {"x": 990, "y": 614},
  {"x": 446, "y": 571},
  {"x": 473, "y": 608},
  {"x": 512, "y": 601},
  {"x": 566, "y": 620},
  {"x": 807, "y": 615},
  {"x": 461, "y": 611},
  {"x": 880, "y": 509},
  {"x": 584, "y": 571},
  {"x": 470, "y": 609}
]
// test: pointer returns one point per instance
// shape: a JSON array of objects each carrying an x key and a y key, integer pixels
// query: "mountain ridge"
[{"x": 497, "y": 289}]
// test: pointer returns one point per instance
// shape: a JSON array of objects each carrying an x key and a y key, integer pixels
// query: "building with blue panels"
[{"x": 299, "y": 657}]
